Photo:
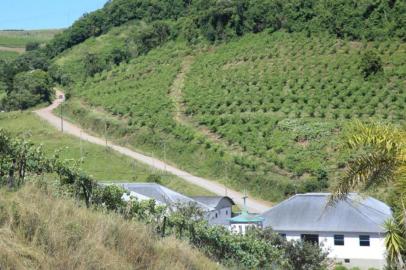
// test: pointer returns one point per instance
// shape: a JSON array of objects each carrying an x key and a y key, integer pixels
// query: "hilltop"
[
  {"x": 255, "y": 95},
  {"x": 14, "y": 42}
]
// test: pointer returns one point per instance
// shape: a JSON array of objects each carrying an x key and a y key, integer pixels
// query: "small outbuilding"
[
  {"x": 221, "y": 208},
  {"x": 217, "y": 209}
]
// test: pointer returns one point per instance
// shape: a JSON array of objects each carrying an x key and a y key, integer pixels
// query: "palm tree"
[{"x": 379, "y": 158}]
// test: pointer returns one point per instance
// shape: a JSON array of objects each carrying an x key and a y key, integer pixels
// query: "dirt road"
[{"x": 215, "y": 187}]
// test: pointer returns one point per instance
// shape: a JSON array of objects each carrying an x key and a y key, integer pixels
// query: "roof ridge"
[
  {"x": 365, "y": 205},
  {"x": 362, "y": 214},
  {"x": 281, "y": 203}
]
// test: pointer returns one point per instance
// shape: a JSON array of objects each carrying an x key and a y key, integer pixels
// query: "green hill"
[
  {"x": 264, "y": 110},
  {"x": 253, "y": 94}
]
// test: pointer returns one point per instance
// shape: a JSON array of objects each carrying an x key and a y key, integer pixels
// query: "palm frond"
[
  {"x": 382, "y": 151},
  {"x": 395, "y": 242}
]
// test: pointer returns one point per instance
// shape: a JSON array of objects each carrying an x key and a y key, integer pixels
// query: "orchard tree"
[{"x": 371, "y": 63}]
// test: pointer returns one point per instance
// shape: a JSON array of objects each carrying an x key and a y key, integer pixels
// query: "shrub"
[
  {"x": 29, "y": 89},
  {"x": 371, "y": 63},
  {"x": 31, "y": 46},
  {"x": 154, "y": 178},
  {"x": 109, "y": 196}
]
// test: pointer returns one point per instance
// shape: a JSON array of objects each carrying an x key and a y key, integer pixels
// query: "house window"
[
  {"x": 339, "y": 240},
  {"x": 310, "y": 238},
  {"x": 216, "y": 215},
  {"x": 364, "y": 241},
  {"x": 283, "y": 235},
  {"x": 226, "y": 212}
]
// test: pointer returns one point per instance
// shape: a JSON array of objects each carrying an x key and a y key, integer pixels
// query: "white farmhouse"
[
  {"x": 351, "y": 230},
  {"x": 217, "y": 209}
]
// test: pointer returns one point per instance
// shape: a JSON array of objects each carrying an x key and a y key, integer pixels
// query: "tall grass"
[{"x": 40, "y": 231}]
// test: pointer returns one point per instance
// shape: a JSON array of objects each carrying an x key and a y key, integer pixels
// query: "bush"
[
  {"x": 119, "y": 55},
  {"x": 31, "y": 46},
  {"x": 371, "y": 63},
  {"x": 109, "y": 196},
  {"x": 30, "y": 89},
  {"x": 151, "y": 36},
  {"x": 154, "y": 178},
  {"x": 93, "y": 64}
]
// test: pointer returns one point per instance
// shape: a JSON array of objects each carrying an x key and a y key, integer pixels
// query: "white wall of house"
[
  {"x": 362, "y": 256},
  {"x": 241, "y": 228},
  {"x": 219, "y": 216}
]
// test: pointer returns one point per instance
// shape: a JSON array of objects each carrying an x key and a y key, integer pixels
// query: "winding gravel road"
[{"x": 215, "y": 187}]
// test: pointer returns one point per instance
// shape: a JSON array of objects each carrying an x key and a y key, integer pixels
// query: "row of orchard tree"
[
  {"x": 196, "y": 21},
  {"x": 21, "y": 160},
  {"x": 378, "y": 157}
]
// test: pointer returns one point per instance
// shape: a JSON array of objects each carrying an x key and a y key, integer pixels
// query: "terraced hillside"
[
  {"x": 133, "y": 103},
  {"x": 285, "y": 97},
  {"x": 264, "y": 112}
]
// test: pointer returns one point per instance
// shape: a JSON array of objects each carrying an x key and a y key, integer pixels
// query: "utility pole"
[
  {"x": 81, "y": 145},
  {"x": 105, "y": 132},
  {"x": 61, "y": 116},
  {"x": 164, "y": 155}
]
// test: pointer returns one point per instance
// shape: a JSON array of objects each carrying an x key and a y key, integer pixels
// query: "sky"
[{"x": 44, "y": 14}]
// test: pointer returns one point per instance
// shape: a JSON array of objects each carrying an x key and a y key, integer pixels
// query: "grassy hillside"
[
  {"x": 262, "y": 111},
  {"x": 102, "y": 163},
  {"x": 65, "y": 236},
  {"x": 71, "y": 60},
  {"x": 12, "y": 43},
  {"x": 18, "y": 39},
  {"x": 261, "y": 108},
  {"x": 136, "y": 101}
]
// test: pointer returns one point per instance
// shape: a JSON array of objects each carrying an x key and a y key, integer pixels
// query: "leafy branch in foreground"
[{"x": 380, "y": 158}]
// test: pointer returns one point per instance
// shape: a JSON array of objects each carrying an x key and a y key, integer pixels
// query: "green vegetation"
[
  {"x": 8, "y": 55},
  {"x": 379, "y": 159},
  {"x": 285, "y": 97},
  {"x": 103, "y": 164},
  {"x": 41, "y": 230},
  {"x": 19, "y": 39},
  {"x": 290, "y": 93},
  {"x": 29, "y": 89},
  {"x": 222, "y": 20},
  {"x": 23, "y": 163},
  {"x": 264, "y": 104}
]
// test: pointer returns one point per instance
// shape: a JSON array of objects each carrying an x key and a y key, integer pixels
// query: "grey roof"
[
  {"x": 161, "y": 194},
  {"x": 212, "y": 201},
  {"x": 310, "y": 212}
]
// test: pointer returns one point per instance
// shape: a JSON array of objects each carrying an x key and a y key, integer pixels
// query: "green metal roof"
[{"x": 246, "y": 217}]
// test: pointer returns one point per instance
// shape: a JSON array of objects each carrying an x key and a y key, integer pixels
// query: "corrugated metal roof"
[
  {"x": 310, "y": 212},
  {"x": 162, "y": 194},
  {"x": 212, "y": 201}
]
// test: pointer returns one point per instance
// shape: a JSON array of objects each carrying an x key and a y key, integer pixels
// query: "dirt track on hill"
[
  {"x": 11, "y": 49},
  {"x": 213, "y": 186}
]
